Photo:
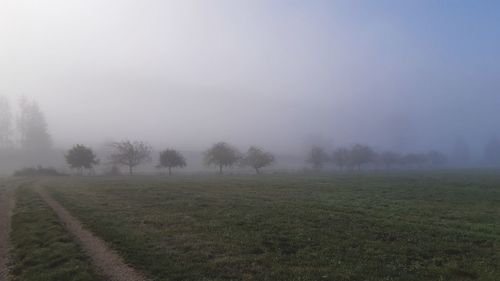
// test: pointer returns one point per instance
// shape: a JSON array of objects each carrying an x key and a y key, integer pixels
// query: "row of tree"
[
  {"x": 24, "y": 132},
  {"x": 359, "y": 155},
  {"x": 131, "y": 154},
  {"x": 222, "y": 155}
]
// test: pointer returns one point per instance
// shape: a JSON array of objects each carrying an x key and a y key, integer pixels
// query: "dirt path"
[
  {"x": 107, "y": 261},
  {"x": 6, "y": 207}
]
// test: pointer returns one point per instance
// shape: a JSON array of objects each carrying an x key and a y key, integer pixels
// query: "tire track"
[
  {"x": 109, "y": 263},
  {"x": 7, "y": 203}
]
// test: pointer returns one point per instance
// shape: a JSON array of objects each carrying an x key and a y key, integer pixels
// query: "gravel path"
[
  {"x": 107, "y": 261},
  {"x": 6, "y": 207}
]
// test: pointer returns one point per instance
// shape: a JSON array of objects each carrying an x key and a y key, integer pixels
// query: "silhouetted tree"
[
  {"x": 81, "y": 157},
  {"x": 361, "y": 154},
  {"x": 32, "y": 127},
  {"x": 340, "y": 157},
  {"x": 5, "y": 122},
  {"x": 171, "y": 158},
  {"x": 257, "y": 158},
  {"x": 221, "y": 155},
  {"x": 130, "y": 154},
  {"x": 317, "y": 157},
  {"x": 492, "y": 151}
]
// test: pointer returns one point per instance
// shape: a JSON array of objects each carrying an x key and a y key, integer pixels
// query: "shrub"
[{"x": 38, "y": 171}]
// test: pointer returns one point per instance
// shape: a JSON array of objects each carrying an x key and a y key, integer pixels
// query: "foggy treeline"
[
  {"x": 25, "y": 142},
  {"x": 24, "y": 136}
]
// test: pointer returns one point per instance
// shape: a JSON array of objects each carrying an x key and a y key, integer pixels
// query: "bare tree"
[
  {"x": 221, "y": 155},
  {"x": 81, "y": 157},
  {"x": 317, "y": 157},
  {"x": 257, "y": 158},
  {"x": 171, "y": 158},
  {"x": 130, "y": 154}
]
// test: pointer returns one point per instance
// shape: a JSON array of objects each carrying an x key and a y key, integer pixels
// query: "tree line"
[
  {"x": 222, "y": 155},
  {"x": 24, "y": 138},
  {"x": 131, "y": 154},
  {"x": 358, "y": 155}
]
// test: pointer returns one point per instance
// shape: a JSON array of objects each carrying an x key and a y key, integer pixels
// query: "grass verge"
[{"x": 42, "y": 249}]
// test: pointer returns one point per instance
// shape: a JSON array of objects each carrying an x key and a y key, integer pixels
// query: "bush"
[
  {"x": 113, "y": 171},
  {"x": 38, "y": 171}
]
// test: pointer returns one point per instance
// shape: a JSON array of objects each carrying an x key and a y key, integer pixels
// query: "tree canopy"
[
  {"x": 221, "y": 155},
  {"x": 171, "y": 158},
  {"x": 257, "y": 158},
  {"x": 81, "y": 157}
]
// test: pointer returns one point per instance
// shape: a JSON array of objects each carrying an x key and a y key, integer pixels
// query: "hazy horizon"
[{"x": 405, "y": 76}]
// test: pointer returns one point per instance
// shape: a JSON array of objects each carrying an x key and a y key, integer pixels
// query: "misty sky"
[{"x": 281, "y": 74}]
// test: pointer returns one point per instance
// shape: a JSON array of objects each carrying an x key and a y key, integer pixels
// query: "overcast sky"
[{"x": 281, "y": 74}]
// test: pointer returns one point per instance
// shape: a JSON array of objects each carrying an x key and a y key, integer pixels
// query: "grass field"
[
  {"x": 415, "y": 226},
  {"x": 42, "y": 250}
]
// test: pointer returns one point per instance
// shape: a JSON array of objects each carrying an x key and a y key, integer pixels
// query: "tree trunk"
[
  {"x": 169, "y": 171},
  {"x": 220, "y": 169},
  {"x": 257, "y": 171},
  {"x": 130, "y": 171}
]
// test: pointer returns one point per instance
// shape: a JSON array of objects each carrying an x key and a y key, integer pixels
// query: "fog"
[{"x": 398, "y": 75}]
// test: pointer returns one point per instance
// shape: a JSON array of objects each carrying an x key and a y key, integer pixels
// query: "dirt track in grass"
[
  {"x": 110, "y": 264},
  {"x": 6, "y": 207}
]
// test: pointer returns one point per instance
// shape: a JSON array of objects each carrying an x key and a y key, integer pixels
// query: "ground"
[{"x": 376, "y": 226}]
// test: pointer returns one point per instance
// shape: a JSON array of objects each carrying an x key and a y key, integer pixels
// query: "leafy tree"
[
  {"x": 221, "y": 155},
  {"x": 257, "y": 158},
  {"x": 361, "y": 154},
  {"x": 81, "y": 157},
  {"x": 317, "y": 157},
  {"x": 32, "y": 127},
  {"x": 171, "y": 158},
  {"x": 130, "y": 154},
  {"x": 340, "y": 157}
]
